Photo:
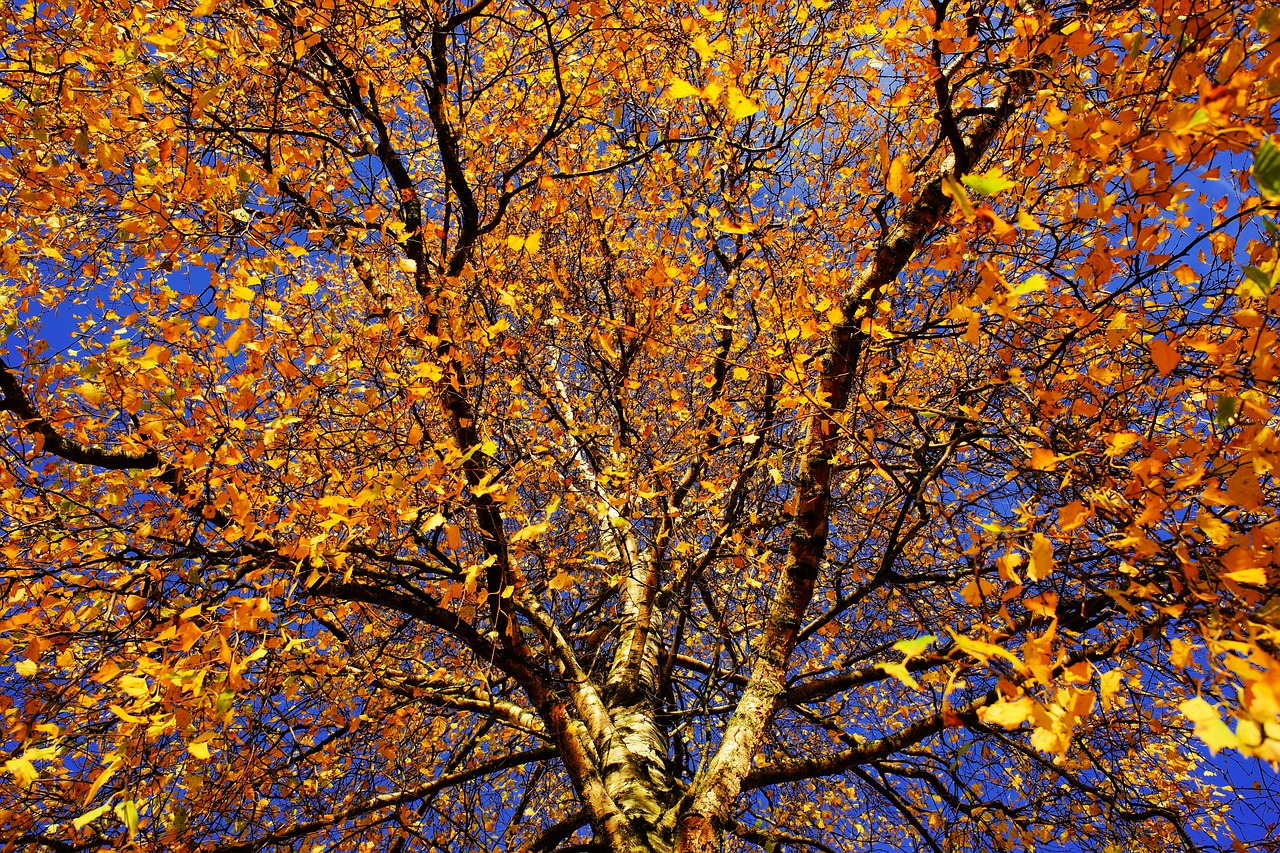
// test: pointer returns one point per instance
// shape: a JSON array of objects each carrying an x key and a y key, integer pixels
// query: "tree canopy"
[{"x": 617, "y": 426}]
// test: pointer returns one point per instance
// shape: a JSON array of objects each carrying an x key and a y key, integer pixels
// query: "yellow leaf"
[
  {"x": 915, "y": 647},
  {"x": 128, "y": 814},
  {"x": 532, "y": 242},
  {"x": 976, "y": 590},
  {"x": 982, "y": 650},
  {"x": 1243, "y": 488},
  {"x": 23, "y": 771},
  {"x": 704, "y": 50},
  {"x": 531, "y": 532},
  {"x": 1071, "y": 516},
  {"x": 1007, "y": 565},
  {"x": 741, "y": 374},
  {"x": 899, "y": 671},
  {"x": 1180, "y": 653},
  {"x": 734, "y": 227},
  {"x": 1209, "y": 725},
  {"x": 680, "y": 89},
  {"x": 205, "y": 7},
  {"x": 952, "y": 189},
  {"x": 1027, "y": 222},
  {"x": 1119, "y": 442},
  {"x": 1008, "y": 715},
  {"x": 1111, "y": 683},
  {"x": 242, "y": 333},
  {"x": 1048, "y": 740},
  {"x": 199, "y": 750},
  {"x": 26, "y": 668},
  {"x": 1255, "y": 576},
  {"x": 1042, "y": 563},
  {"x": 135, "y": 686},
  {"x": 900, "y": 177},
  {"x": 125, "y": 715},
  {"x": 1212, "y": 527},
  {"x": 1043, "y": 459},
  {"x": 987, "y": 184},
  {"x": 740, "y": 106},
  {"x": 515, "y": 242},
  {"x": 90, "y": 816},
  {"x": 92, "y": 394},
  {"x": 1031, "y": 285}
]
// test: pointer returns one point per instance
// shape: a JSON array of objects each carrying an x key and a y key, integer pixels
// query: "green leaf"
[
  {"x": 911, "y": 648},
  {"x": 1226, "y": 411},
  {"x": 1266, "y": 170},
  {"x": 1257, "y": 283},
  {"x": 988, "y": 184}
]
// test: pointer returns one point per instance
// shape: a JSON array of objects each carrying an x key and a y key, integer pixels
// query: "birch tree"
[{"x": 611, "y": 426}]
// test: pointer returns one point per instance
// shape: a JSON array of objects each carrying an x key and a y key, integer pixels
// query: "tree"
[{"x": 609, "y": 426}]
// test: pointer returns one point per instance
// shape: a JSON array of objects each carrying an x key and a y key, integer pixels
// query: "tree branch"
[{"x": 49, "y": 440}]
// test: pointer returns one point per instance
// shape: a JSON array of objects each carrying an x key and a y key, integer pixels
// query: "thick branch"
[
  {"x": 719, "y": 784},
  {"x": 51, "y": 441}
]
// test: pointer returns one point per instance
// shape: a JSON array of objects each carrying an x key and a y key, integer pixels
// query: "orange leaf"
[{"x": 1164, "y": 356}]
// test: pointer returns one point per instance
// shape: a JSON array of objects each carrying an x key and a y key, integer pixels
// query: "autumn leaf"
[
  {"x": 900, "y": 672},
  {"x": 1072, "y": 516},
  {"x": 1164, "y": 356},
  {"x": 1042, "y": 563},
  {"x": 988, "y": 184},
  {"x": 678, "y": 88},
  {"x": 23, "y": 771},
  {"x": 900, "y": 177},
  {"x": 953, "y": 190},
  {"x": 1008, "y": 715},
  {"x": 533, "y": 531},
  {"x": 728, "y": 227},
  {"x": 740, "y": 106},
  {"x": 1254, "y": 575},
  {"x": 1208, "y": 724},
  {"x": 914, "y": 648},
  {"x": 90, "y": 816}
]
